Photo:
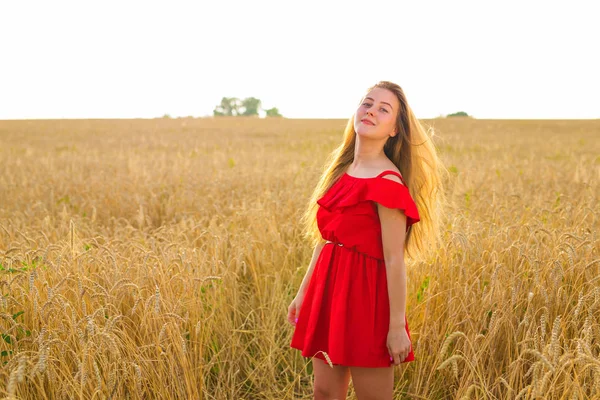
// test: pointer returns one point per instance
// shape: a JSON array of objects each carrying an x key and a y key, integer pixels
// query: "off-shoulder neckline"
[
  {"x": 356, "y": 177},
  {"x": 383, "y": 173}
]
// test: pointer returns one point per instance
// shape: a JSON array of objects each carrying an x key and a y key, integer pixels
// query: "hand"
[
  {"x": 398, "y": 344},
  {"x": 294, "y": 309}
]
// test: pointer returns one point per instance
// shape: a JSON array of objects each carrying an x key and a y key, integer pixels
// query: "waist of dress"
[{"x": 352, "y": 248}]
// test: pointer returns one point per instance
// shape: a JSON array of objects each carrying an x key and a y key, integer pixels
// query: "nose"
[{"x": 369, "y": 112}]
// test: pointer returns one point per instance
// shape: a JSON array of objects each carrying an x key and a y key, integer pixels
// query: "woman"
[{"x": 350, "y": 310}]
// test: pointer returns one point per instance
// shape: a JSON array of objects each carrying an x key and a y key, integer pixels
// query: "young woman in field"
[{"x": 350, "y": 310}]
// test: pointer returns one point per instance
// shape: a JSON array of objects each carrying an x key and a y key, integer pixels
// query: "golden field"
[{"x": 150, "y": 259}]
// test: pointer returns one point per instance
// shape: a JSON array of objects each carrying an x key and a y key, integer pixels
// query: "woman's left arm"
[
  {"x": 393, "y": 228},
  {"x": 393, "y": 233}
]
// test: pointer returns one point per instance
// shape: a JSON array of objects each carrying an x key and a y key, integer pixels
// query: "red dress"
[{"x": 345, "y": 312}]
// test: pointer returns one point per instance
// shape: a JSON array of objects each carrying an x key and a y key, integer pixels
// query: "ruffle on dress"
[{"x": 386, "y": 192}]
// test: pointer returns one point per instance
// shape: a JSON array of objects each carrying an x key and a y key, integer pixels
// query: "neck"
[{"x": 367, "y": 152}]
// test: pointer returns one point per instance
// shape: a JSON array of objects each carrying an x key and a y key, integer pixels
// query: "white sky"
[{"x": 311, "y": 59}]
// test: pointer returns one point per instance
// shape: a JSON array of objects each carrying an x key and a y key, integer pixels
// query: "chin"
[
  {"x": 364, "y": 131},
  {"x": 361, "y": 129},
  {"x": 366, "y": 135}
]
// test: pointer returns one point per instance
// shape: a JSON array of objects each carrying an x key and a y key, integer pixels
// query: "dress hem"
[{"x": 320, "y": 356}]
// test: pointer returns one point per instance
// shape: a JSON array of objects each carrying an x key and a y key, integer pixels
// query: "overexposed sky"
[{"x": 311, "y": 59}]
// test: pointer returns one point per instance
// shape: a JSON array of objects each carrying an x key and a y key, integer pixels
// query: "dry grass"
[{"x": 156, "y": 259}]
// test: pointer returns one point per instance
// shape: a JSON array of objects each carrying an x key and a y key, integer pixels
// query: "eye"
[
  {"x": 366, "y": 104},
  {"x": 384, "y": 110}
]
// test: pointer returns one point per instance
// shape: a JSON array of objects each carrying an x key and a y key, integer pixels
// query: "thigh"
[
  {"x": 330, "y": 383},
  {"x": 373, "y": 383}
]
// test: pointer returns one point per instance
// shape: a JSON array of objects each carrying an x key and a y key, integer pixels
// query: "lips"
[{"x": 367, "y": 122}]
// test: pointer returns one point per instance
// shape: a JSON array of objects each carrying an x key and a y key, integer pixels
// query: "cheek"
[{"x": 389, "y": 121}]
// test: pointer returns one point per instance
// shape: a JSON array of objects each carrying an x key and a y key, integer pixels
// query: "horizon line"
[{"x": 288, "y": 118}]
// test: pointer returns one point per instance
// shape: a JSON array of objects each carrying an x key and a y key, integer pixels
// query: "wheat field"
[{"x": 144, "y": 259}]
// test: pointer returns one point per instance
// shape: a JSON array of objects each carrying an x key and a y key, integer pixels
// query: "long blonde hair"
[{"x": 414, "y": 154}]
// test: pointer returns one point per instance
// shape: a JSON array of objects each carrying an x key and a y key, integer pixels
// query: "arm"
[
  {"x": 311, "y": 267},
  {"x": 294, "y": 307},
  {"x": 393, "y": 233}
]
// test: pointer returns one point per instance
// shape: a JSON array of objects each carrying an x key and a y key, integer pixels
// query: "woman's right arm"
[
  {"x": 311, "y": 267},
  {"x": 294, "y": 307}
]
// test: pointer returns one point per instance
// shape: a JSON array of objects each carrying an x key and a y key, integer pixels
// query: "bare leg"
[
  {"x": 373, "y": 383},
  {"x": 330, "y": 383}
]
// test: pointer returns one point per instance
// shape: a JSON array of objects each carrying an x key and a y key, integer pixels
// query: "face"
[{"x": 376, "y": 116}]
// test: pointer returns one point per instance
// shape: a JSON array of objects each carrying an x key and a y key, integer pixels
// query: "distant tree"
[
  {"x": 251, "y": 105},
  {"x": 273, "y": 112},
  {"x": 458, "y": 114},
  {"x": 166, "y": 116},
  {"x": 230, "y": 106}
]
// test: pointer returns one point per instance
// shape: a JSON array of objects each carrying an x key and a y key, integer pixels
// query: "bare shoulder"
[{"x": 393, "y": 177}]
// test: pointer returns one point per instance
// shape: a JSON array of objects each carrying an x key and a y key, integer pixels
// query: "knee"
[{"x": 327, "y": 392}]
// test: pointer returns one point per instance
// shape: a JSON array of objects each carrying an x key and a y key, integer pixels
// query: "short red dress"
[{"x": 345, "y": 312}]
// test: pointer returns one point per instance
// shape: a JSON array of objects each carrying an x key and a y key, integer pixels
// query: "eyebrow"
[{"x": 372, "y": 99}]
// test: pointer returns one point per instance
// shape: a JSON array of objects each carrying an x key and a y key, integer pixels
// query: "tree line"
[
  {"x": 250, "y": 106},
  {"x": 458, "y": 114}
]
